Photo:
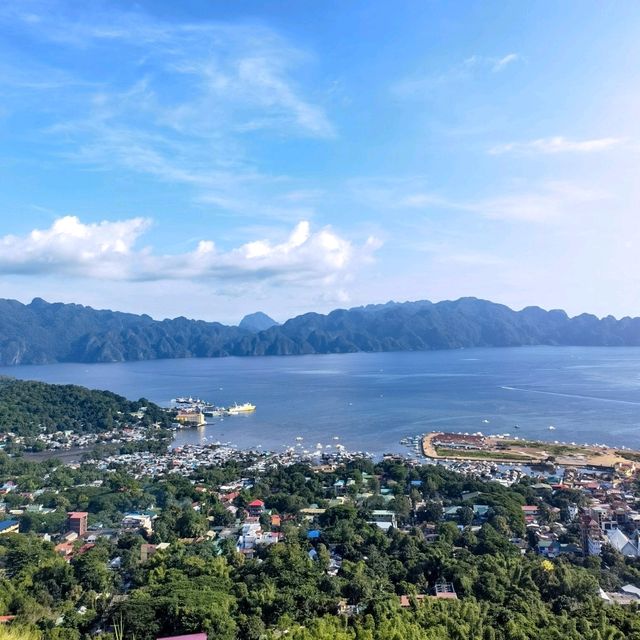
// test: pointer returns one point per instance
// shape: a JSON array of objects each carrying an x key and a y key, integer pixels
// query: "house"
[
  {"x": 65, "y": 549},
  {"x": 137, "y": 521},
  {"x": 445, "y": 591},
  {"x": 77, "y": 522},
  {"x": 9, "y": 526},
  {"x": 255, "y": 508},
  {"x": 8, "y": 487},
  {"x": 480, "y": 511},
  {"x": 251, "y": 535},
  {"x": 190, "y": 636},
  {"x": 339, "y": 487},
  {"x": 383, "y": 519},
  {"x": 276, "y": 521},
  {"x": 548, "y": 548},
  {"x": 631, "y": 591},
  {"x": 620, "y": 542},
  {"x": 405, "y": 601},
  {"x": 146, "y": 551}
]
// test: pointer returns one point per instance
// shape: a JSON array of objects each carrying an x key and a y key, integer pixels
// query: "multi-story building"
[{"x": 77, "y": 522}]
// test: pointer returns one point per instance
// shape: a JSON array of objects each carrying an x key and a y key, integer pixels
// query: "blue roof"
[
  {"x": 314, "y": 533},
  {"x": 7, "y": 524},
  {"x": 416, "y": 483}
]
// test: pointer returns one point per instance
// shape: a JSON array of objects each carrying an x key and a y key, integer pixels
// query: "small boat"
[{"x": 551, "y": 428}]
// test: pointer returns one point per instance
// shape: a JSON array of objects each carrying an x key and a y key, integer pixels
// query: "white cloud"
[
  {"x": 74, "y": 248},
  {"x": 557, "y": 144},
  {"x": 108, "y": 250}
]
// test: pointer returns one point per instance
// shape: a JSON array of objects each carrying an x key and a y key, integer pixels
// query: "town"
[{"x": 128, "y": 513}]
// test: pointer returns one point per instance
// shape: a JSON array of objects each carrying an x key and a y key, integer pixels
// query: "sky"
[{"x": 210, "y": 159}]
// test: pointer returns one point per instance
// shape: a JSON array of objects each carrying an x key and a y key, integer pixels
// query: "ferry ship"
[{"x": 247, "y": 407}]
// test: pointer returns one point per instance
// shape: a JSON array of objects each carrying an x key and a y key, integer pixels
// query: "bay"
[{"x": 369, "y": 401}]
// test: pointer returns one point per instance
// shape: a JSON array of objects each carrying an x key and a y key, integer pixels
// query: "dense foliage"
[
  {"x": 41, "y": 332},
  {"x": 28, "y": 407},
  {"x": 287, "y": 590}
]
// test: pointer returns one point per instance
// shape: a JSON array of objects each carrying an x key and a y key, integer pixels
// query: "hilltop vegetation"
[
  {"x": 41, "y": 332},
  {"x": 27, "y": 408},
  {"x": 288, "y": 590}
]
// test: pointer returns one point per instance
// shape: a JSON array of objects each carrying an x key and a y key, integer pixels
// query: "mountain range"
[{"x": 42, "y": 332}]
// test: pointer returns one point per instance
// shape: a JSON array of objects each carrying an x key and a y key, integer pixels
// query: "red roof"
[
  {"x": 78, "y": 514},
  {"x": 256, "y": 503},
  {"x": 4, "y": 619}
]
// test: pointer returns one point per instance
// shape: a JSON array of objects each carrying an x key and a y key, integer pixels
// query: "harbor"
[{"x": 193, "y": 412}]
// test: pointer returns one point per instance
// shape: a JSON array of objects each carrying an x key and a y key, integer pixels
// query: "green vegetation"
[
  {"x": 548, "y": 447},
  {"x": 18, "y": 633},
  {"x": 28, "y": 408},
  {"x": 288, "y": 589},
  {"x": 629, "y": 455}
]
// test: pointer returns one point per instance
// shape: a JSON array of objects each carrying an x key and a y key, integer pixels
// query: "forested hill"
[
  {"x": 27, "y": 406},
  {"x": 41, "y": 332}
]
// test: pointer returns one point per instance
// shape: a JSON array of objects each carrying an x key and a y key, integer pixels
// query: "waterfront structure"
[{"x": 191, "y": 418}]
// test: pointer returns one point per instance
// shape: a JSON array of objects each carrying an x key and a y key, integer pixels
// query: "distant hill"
[
  {"x": 41, "y": 332},
  {"x": 256, "y": 322},
  {"x": 26, "y": 407}
]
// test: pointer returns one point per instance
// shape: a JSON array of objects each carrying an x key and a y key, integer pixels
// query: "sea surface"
[{"x": 369, "y": 402}]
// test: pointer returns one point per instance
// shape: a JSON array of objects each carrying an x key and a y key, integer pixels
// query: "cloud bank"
[{"x": 109, "y": 250}]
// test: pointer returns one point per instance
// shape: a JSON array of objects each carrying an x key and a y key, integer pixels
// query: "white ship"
[{"x": 247, "y": 407}]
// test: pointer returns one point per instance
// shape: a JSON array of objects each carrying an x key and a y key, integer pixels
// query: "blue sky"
[{"x": 210, "y": 159}]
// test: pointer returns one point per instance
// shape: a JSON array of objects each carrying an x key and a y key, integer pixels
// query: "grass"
[
  {"x": 629, "y": 455},
  {"x": 548, "y": 447}
]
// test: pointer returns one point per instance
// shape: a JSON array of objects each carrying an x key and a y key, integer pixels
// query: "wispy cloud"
[
  {"x": 557, "y": 144},
  {"x": 541, "y": 202},
  {"x": 109, "y": 250},
  {"x": 547, "y": 202},
  {"x": 182, "y": 103},
  {"x": 422, "y": 83},
  {"x": 495, "y": 64}
]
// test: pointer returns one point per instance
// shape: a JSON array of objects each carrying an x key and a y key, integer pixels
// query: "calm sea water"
[{"x": 371, "y": 401}]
